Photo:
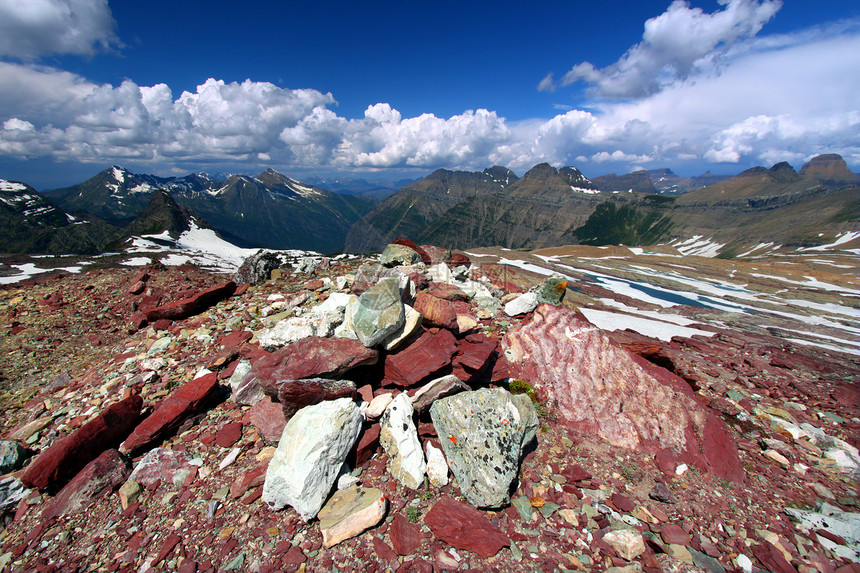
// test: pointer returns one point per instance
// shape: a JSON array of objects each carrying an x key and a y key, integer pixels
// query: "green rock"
[
  {"x": 524, "y": 507},
  {"x": 397, "y": 255},
  {"x": 733, "y": 395},
  {"x": 235, "y": 564},
  {"x": 378, "y": 313},
  {"x": 552, "y": 291},
  {"x": 548, "y": 508}
]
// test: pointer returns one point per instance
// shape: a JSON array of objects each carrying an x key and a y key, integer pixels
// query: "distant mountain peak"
[{"x": 830, "y": 170}]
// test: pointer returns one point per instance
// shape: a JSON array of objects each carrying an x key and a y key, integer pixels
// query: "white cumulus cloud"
[
  {"x": 675, "y": 45},
  {"x": 31, "y": 29}
]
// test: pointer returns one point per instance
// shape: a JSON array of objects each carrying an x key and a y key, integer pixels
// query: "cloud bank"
[{"x": 698, "y": 88}]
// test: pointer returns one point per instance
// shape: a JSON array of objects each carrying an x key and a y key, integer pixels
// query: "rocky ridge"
[{"x": 582, "y": 493}]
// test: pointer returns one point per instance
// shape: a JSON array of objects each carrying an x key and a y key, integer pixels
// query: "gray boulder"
[
  {"x": 12, "y": 491},
  {"x": 483, "y": 433},
  {"x": 311, "y": 451},
  {"x": 398, "y": 255},
  {"x": 12, "y": 456},
  {"x": 257, "y": 268}
]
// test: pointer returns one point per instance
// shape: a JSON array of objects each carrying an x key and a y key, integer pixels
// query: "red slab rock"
[
  {"x": 235, "y": 339},
  {"x": 436, "y": 311},
  {"x": 597, "y": 387},
  {"x": 171, "y": 412},
  {"x": 103, "y": 474},
  {"x": 383, "y": 551},
  {"x": 68, "y": 455},
  {"x": 293, "y": 395},
  {"x": 136, "y": 288},
  {"x": 406, "y": 538},
  {"x": 228, "y": 434},
  {"x": 366, "y": 446},
  {"x": 427, "y": 355},
  {"x": 464, "y": 527},
  {"x": 447, "y": 292},
  {"x": 313, "y": 357},
  {"x": 475, "y": 354},
  {"x": 672, "y": 533},
  {"x": 268, "y": 417},
  {"x": 192, "y": 305}
]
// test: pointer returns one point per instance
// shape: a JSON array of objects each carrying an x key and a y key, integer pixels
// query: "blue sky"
[{"x": 393, "y": 89}]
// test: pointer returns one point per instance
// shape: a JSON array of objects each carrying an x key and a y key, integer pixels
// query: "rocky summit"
[{"x": 570, "y": 409}]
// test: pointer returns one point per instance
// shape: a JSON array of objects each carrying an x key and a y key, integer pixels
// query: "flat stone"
[
  {"x": 378, "y": 313},
  {"x": 311, "y": 357},
  {"x": 349, "y": 512},
  {"x": 626, "y": 543},
  {"x": 309, "y": 456},
  {"x": 427, "y": 355},
  {"x": 464, "y": 527},
  {"x": 192, "y": 305},
  {"x": 483, "y": 433},
  {"x": 244, "y": 394},
  {"x": 293, "y": 395},
  {"x": 672, "y": 533},
  {"x": 661, "y": 493},
  {"x": 435, "y": 389},
  {"x": 229, "y": 434},
  {"x": 268, "y": 417},
  {"x": 436, "y": 311},
  {"x": 98, "y": 477},
  {"x": 552, "y": 290},
  {"x": 399, "y": 439},
  {"x": 183, "y": 402},
  {"x": 377, "y": 405},
  {"x": 12, "y": 491},
  {"x": 475, "y": 353},
  {"x": 161, "y": 465},
  {"x": 406, "y": 538},
  {"x": 68, "y": 455},
  {"x": 523, "y": 304},
  {"x": 596, "y": 387}
]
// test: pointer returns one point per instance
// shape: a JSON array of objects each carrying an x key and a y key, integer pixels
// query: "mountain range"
[
  {"x": 454, "y": 209},
  {"x": 550, "y": 207}
]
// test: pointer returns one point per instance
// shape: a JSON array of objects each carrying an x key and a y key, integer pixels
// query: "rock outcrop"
[{"x": 600, "y": 388}]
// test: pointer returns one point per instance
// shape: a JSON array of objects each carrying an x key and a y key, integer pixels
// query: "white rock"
[
  {"x": 626, "y": 543},
  {"x": 231, "y": 457},
  {"x": 437, "y": 467},
  {"x": 412, "y": 320},
  {"x": 523, "y": 304},
  {"x": 242, "y": 368},
  {"x": 378, "y": 405},
  {"x": 744, "y": 564},
  {"x": 312, "y": 449},
  {"x": 399, "y": 439}
]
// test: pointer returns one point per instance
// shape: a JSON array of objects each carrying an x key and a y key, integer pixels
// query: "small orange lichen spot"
[
  {"x": 472, "y": 411},
  {"x": 505, "y": 421},
  {"x": 453, "y": 439},
  {"x": 537, "y": 501}
]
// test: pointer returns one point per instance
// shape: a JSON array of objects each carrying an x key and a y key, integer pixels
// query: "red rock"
[
  {"x": 475, "y": 354},
  {"x": 293, "y": 395},
  {"x": 251, "y": 478},
  {"x": 138, "y": 320},
  {"x": 464, "y": 527},
  {"x": 436, "y": 311},
  {"x": 622, "y": 503},
  {"x": 366, "y": 446},
  {"x": 672, "y": 533},
  {"x": 268, "y": 417},
  {"x": 772, "y": 559},
  {"x": 228, "y": 434},
  {"x": 167, "y": 546},
  {"x": 407, "y": 243},
  {"x": 447, "y": 291},
  {"x": 427, "y": 355},
  {"x": 101, "y": 475},
  {"x": 195, "y": 304},
  {"x": 313, "y": 357},
  {"x": 136, "y": 288},
  {"x": 420, "y": 281},
  {"x": 831, "y": 536},
  {"x": 575, "y": 473},
  {"x": 406, "y": 538},
  {"x": 599, "y": 388},
  {"x": 294, "y": 556},
  {"x": 183, "y": 402},
  {"x": 236, "y": 338},
  {"x": 382, "y": 549},
  {"x": 459, "y": 259},
  {"x": 68, "y": 455},
  {"x": 162, "y": 324}
]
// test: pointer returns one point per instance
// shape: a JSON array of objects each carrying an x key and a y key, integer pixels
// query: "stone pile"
[{"x": 405, "y": 414}]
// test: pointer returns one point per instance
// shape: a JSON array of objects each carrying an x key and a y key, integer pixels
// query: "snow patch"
[
  {"x": 607, "y": 320},
  {"x": 11, "y": 186}
]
